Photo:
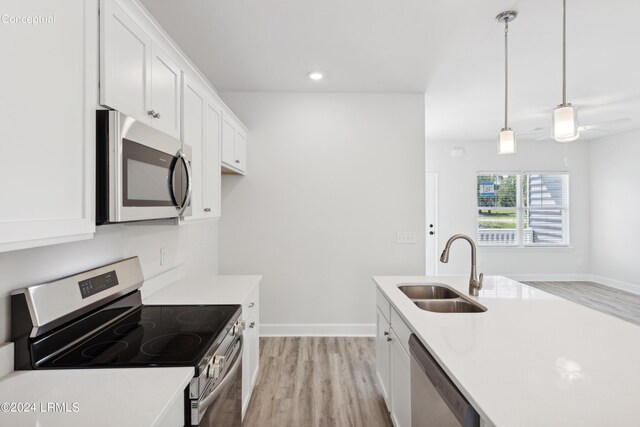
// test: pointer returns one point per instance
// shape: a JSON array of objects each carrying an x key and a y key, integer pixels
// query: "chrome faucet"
[{"x": 475, "y": 283}]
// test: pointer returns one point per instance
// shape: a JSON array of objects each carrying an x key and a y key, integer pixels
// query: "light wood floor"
[
  {"x": 317, "y": 381},
  {"x": 608, "y": 300}
]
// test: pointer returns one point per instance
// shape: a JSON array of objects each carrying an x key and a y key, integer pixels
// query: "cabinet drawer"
[
  {"x": 401, "y": 329},
  {"x": 383, "y": 305}
]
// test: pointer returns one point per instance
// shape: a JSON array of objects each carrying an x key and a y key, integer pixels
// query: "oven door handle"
[
  {"x": 228, "y": 377},
  {"x": 187, "y": 167}
]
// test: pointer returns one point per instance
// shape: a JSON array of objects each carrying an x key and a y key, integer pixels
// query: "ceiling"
[{"x": 450, "y": 49}]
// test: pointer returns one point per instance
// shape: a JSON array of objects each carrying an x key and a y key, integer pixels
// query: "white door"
[
  {"x": 125, "y": 55},
  {"x": 400, "y": 384},
  {"x": 47, "y": 131},
  {"x": 211, "y": 159},
  {"x": 241, "y": 151},
  {"x": 228, "y": 143},
  {"x": 165, "y": 93},
  {"x": 383, "y": 355},
  {"x": 431, "y": 209},
  {"x": 193, "y": 135}
]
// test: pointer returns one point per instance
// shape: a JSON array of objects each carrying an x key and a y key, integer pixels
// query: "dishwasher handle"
[{"x": 457, "y": 403}]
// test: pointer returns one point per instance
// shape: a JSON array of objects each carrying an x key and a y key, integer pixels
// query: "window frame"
[{"x": 521, "y": 210}]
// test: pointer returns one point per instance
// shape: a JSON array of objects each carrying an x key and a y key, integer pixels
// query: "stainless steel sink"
[
  {"x": 428, "y": 291},
  {"x": 439, "y": 298},
  {"x": 450, "y": 306}
]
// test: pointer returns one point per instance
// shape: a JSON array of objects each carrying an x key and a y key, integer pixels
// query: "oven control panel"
[{"x": 98, "y": 284}]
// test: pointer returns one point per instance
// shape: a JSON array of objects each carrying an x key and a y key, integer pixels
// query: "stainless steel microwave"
[{"x": 141, "y": 173}]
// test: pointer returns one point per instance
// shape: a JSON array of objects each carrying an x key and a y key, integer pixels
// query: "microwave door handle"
[{"x": 187, "y": 167}]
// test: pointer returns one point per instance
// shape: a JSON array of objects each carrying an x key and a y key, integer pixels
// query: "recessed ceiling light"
[{"x": 315, "y": 75}]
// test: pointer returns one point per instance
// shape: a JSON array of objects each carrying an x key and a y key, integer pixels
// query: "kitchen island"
[{"x": 532, "y": 358}]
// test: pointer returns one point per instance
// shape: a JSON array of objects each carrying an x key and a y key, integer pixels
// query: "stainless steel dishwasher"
[{"x": 435, "y": 400}]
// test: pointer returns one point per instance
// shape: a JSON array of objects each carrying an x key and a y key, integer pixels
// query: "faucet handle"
[{"x": 480, "y": 279}]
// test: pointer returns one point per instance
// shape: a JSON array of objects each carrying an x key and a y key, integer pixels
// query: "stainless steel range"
[{"x": 96, "y": 319}]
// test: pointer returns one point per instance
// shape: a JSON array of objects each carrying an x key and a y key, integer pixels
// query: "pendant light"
[
  {"x": 507, "y": 137},
  {"x": 565, "y": 116}
]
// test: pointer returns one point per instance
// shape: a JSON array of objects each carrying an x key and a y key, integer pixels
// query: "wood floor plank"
[
  {"x": 615, "y": 302},
  {"x": 317, "y": 382}
]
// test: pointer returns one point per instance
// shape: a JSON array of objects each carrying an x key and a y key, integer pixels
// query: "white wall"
[
  {"x": 615, "y": 204},
  {"x": 194, "y": 246},
  {"x": 457, "y": 206},
  {"x": 332, "y": 178}
]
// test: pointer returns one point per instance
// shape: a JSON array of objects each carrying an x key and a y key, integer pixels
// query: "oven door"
[
  {"x": 149, "y": 172},
  {"x": 221, "y": 403}
]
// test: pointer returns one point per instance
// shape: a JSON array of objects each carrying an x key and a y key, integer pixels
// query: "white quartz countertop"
[
  {"x": 532, "y": 359},
  {"x": 205, "y": 290},
  {"x": 92, "y": 397}
]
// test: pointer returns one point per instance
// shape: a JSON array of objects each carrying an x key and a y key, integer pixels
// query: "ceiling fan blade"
[{"x": 606, "y": 124}]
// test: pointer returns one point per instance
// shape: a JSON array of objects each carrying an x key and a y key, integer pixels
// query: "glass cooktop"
[{"x": 152, "y": 336}]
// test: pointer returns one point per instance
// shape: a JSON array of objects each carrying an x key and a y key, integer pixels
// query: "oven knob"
[
  {"x": 215, "y": 367},
  {"x": 239, "y": 326}
]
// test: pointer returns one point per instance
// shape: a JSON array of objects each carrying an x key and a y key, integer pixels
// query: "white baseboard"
[
  {"x": 549, "y": 277},
  {"x": 6, "y": 358},
  {"x": 618, "y": 284},
  {"x": 318, "y": 330}
]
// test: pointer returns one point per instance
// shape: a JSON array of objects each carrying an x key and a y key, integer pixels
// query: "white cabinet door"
[
  {"x": 251, "y": 355},
  {"x": 241, "y": 150},
  {"x": 193, "y": 135},
  {"x": 234, "y": 146},
  {"x": 383, "y": 355},
  {"x": 202, "y": 117},
  {"x": 228, "y": 142},
  {"x": 165, "y": 93},
  {"x": 211, "y": 190},
  {"x": 400, "y": 383},
  {"x": 47, "y": 130},
  {"x": 125, "y": 56}
]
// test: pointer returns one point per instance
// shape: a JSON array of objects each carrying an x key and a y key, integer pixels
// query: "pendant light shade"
[
  {"x": 565, "y": 116},
  {"x": 507, "y": 142},
  {"x": 507, "y": 137},
  {"x": 565, "y": 123}
]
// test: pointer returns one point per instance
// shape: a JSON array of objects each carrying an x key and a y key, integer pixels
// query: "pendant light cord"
[
  {"x": 506, "y": 73},
  {"x": 564, "y": 52}
]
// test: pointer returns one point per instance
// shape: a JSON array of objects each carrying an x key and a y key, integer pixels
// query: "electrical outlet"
[
  {"x": 163, "y": 256},
  {"x": 406, "y": 238}
]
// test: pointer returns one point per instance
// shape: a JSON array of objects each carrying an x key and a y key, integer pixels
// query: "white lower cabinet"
[
  {"x": 393, "y": 363},
  {"x": 251, "y": 354},
  {"x": 383, "y": 355},
  {"x": 400, "y": 383}
]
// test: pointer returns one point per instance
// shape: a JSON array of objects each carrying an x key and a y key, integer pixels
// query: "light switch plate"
[{"x": 406, "y": 238}]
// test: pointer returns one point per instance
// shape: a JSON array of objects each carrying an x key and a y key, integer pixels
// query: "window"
[{"x": 523, "y": 209}]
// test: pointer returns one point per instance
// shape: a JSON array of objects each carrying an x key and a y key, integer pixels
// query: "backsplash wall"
[{"x": 194, "y": 246}]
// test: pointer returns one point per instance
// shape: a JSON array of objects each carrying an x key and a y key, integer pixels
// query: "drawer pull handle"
[
  {"x": 252, "y": 325},
  {"x": 251, "y": 304},
  {"x": 389, "y": 339},
  {"x": 386, "y": 333}
]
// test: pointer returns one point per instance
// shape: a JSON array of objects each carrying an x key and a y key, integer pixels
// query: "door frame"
[{"x": 431, "y": 265}]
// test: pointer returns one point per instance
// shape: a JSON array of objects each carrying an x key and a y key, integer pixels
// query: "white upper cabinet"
[
  {"x": 234, "y": 146},
  {"x": 137, "y": 77},
  {"x": 202, "y": 115},
  {"x": 47, "y": 131},
  {"x": 211, "y": 190},
  {"x": 193, "y": 136},
  {"x": 165, "y": 93},
  {"x": 125, "y": 58}
]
